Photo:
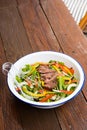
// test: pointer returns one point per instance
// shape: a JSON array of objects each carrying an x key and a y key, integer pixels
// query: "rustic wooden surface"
[{"x": 28, "y": 26}]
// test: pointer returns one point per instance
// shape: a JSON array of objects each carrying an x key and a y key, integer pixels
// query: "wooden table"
[{"x": 28, "y": 26}]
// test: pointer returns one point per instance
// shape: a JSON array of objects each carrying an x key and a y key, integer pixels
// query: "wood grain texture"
[
  {"x": 64, "y": 30},
  {"x": 35, "y": 118},
  {"x": 1, "y": 119},
  {"x": 35, "y": 2},
  {"x": 2, "y": 59},
  {"x": 38, "y": 30},
  {"x": 7, "y": 3},
  {"x": 9, "y": 113},
  {"x": 74, "y": 114},
  {"x": 16, "y": 43}
]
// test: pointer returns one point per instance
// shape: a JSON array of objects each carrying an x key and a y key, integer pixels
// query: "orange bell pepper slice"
[
  {"x": 65, "y": 68},
  {"x": 48, "y": 96}
]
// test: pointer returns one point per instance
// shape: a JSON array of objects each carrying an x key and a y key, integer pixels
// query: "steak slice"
[{"x": 49, "y": 76}]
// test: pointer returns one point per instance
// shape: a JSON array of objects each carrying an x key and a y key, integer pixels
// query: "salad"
[{"x": 46, "y": 82}]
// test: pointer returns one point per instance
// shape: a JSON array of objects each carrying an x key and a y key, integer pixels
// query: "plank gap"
[{"x": 40, "y": 3}]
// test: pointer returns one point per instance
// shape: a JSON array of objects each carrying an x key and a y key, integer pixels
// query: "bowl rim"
[{"x": 56, "y": 103}]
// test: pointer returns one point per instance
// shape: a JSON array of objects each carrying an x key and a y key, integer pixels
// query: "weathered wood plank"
[
  {"x": 16, "y": 44},
  {"x": 73, "y": 115},
  {"x": 38, "y": 29},
  {"x": 13, "y": 33},
  {"x": 1, "y": 119},
  {"x": 1, "y": 86},
  {"x": 7, "y": 3},
  {"x": 38, "y": 119},
  {"x": 36, "y": 2},
  {"x": 64, "y": 30},
  {"x": 7, "y": 101}
]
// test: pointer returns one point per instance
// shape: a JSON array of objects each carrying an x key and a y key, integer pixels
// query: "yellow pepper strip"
[
  {"x": 56, "y": 69},
  {"x": 36, "y": 64},
  {"x": 69, "y": 81},
  {"x": 33, "y": 68},
  {"x": 24, "y": 88},
  {"x": 67, "y": 78},
  {"x": 42, "y": 82}
]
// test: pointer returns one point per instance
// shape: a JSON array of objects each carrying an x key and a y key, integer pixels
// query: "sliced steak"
[{"x": 49, "y": 76}]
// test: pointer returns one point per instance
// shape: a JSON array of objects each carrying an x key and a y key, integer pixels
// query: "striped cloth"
[{"x": 78, "y": 9}]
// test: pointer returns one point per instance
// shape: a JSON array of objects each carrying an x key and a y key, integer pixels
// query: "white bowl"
[{"x": 45, "y": 56}]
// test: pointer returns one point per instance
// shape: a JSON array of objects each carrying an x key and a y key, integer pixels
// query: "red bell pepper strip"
[
  {"x": 48, "y": 96},
  {"x": 18, "y": 90}
]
